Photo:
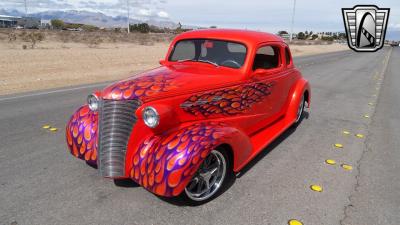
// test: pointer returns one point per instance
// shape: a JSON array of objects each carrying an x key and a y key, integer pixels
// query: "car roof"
[{"x": 244, "y": 36}]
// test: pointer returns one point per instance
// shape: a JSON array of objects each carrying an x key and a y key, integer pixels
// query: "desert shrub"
[
  {"x": 301, "y": 36},
  {"x": 314, "y": 36},
  {"x": 113, "y": 37},
  {"x": 33, "y": 38},
  {"x": 93, "y": 41},
  {"x": 12, "y": 37},
  {"x": 65, "y": 37},
  {"x": 143, "y": 39},
  {"x": 329, "y": 38},
  {"x": 24, "y": 47},
  {"x": 140, "y": 27},
  {"x": 22, "y": 34},
  {"x": 57, "y": 24},
  {"x": 89, "y": 28}
]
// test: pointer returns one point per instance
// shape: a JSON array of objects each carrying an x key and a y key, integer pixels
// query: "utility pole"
[
  {"x": 127, "y": 8},
  {"x": 26, "y": 8},
  {"x": 294, "y": 11}
]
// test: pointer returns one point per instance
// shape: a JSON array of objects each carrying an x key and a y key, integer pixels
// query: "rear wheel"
[
  {"x": 210, "y": 179},
  {"x": 300, "y": 110}
]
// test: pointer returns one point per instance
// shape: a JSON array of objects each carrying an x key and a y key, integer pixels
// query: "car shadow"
[
  {"x": 272, "y": 146},
  {"x": 126, "y": 183},
  {"x": 180, "y": 201}
]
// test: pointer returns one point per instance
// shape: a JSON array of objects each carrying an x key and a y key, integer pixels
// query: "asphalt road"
[{"x": 41, "y": 183}]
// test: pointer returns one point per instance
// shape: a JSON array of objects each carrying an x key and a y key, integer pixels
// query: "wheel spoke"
[
  {"x": 193, "y": 183},
  {"x": 199, "y": 185},
  {"x": 209, "y": 177},
  {"x": 212, "y": 171}
]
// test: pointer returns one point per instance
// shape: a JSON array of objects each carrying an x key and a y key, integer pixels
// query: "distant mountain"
[
  {"x": 11, "y": 12},
  {"x": 91, "y": 18}
]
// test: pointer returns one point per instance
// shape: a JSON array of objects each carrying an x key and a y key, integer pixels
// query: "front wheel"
[{"x": 210, "y": 179}]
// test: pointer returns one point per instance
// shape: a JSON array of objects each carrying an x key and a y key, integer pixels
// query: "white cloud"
[
  {"x": 163, "y": 14},
  {"x": 395, "y": 26},
  {"x": 144, "y": 12}
]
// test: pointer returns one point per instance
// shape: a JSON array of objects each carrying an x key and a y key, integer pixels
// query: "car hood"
[{"x": 167, "y": 81}]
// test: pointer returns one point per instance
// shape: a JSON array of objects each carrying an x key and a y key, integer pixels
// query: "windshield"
[{"x": 215, "y": 52}]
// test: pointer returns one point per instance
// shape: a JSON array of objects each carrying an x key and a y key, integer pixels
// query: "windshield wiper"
[
  {"x": 208, "y": 61},
  {"x": 199, "y": 60},
  {"x": 186, "y": 60}
]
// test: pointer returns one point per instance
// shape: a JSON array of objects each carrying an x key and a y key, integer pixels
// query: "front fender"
[
  {"x": 165, "y": 164},
  {"x": 81, "y": 134}
]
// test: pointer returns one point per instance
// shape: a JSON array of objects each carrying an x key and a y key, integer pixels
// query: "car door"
[{"x": 269, "y": 70}]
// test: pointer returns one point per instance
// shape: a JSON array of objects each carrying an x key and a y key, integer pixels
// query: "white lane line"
[{"x": 52, "y": 92}]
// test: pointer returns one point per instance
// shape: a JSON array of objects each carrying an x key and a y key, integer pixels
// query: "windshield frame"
[{"x": 211, "y": 39}]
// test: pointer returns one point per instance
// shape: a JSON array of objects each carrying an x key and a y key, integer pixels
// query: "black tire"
[
  {"x": 300, "y": 111},
  {"x": 224, "y": 184}
]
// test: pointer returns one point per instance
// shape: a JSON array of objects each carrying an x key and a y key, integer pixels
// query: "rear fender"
[
  {"x": 295, "y": 97},
  {"x": 166, "y": 163}
]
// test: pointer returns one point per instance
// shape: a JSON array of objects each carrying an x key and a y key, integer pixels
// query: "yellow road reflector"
[
  {"x": 337, "y": 145},
  {"x": 330, "y": 161},
  {"x": 360, "y": 135},
  {"x": 347, "y": 167},
  {"x": 370, "y": 103},
  {"x": 366, "y": 116},
  {"x": 46, "y": 127},
  {"x": 346, "y": 132},
  {"x": 374, "y": 95},
  {"x": 53, "y": 129},
  {"x": 295, "y": 222},
  {"x": 315, "y": 187}
]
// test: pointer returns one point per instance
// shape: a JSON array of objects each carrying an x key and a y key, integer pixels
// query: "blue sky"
[{"x": 265, "y": 15}]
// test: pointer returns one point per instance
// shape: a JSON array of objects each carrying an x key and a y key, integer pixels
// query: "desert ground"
[{"x": 62, "y": 60}]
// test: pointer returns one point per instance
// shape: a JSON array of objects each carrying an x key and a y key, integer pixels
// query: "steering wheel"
[{"x": 230, "y": 62}]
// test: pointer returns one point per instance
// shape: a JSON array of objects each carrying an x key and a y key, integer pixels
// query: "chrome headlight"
[
  {"x": 93, "y": 102},
  {"x": 151, "y": 117}
]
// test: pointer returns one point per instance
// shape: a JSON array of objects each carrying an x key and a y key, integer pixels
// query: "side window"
[
  {"x": 287, "y": 56},
  {"x": 267, "y": 57}
]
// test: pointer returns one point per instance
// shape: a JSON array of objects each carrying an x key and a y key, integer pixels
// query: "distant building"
[
  {"x": 284, "y": 36},
  {"x": 8, "y": 21},
  {"x": 22, "y": 22},
  {"x": 45, "y": 24},
  {"x": 29, "y": 22}
]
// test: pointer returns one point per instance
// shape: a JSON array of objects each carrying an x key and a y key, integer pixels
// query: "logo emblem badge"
[{"x": 365, "y": 27}]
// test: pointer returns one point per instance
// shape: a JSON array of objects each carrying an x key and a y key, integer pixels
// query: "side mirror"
[{"x": 162, "y": 62}]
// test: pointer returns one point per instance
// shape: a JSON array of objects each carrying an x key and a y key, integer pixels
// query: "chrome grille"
[{"x": 116, "y": 123}]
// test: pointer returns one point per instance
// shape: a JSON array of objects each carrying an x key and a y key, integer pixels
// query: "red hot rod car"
[{"x": 183, "y": 129}]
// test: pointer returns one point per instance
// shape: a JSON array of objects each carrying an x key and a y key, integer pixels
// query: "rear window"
[
  {"x": 287, "y": 56},
  {"x": 267, "y": 57}
]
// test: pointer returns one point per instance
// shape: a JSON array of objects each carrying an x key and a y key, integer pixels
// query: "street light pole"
[
  {"x": 127, "y": 7},
  {"x": 294, "y": 11}
]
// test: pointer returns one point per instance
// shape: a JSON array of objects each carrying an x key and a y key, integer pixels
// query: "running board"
[{"x": 263, "y": 138}]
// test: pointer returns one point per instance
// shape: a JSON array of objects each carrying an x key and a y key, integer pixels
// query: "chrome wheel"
[
  {"x": 300, "y": 109},
  {"x": 209, "y": 178}
]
